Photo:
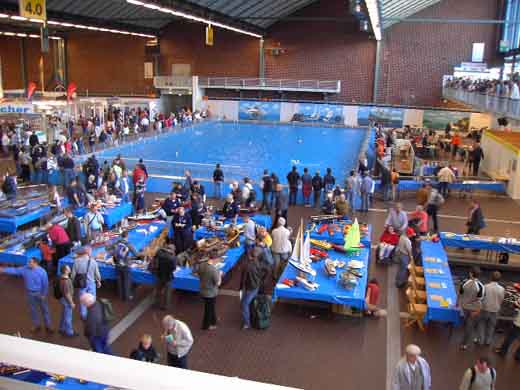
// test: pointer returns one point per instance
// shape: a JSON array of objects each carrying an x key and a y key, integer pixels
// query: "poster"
[
  {"x": 438, "y": 119},
  {"x": 259, "y": 111},
  {"x": 388, "y": 117},
  {"x": 326, "y": 113}
]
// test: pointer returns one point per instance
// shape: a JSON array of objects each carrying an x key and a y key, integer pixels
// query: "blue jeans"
[
  {"x": 39, "y": 305},
  {"x": 247, "y": 298},
  {"x": 218, "y": 189},
  {"x": 350, "y": 199},
  {"x": 100, "y": 344},
  {"x": 365, "y": 201},
  {"x": 91, "y": 289},
  {"x": 402, "y": 275},
  {"x": 66, "y": 318},
  {"x": 386, "y": 191},
  {"x": 68, "y": 175}
]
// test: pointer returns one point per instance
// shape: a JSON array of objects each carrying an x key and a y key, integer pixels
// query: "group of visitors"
[{"x": 501, "y": 88}]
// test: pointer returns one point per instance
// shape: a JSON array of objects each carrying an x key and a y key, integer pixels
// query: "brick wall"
[
  {"x": 10, "y": 56},
  {"x": 416, "y": 56}
]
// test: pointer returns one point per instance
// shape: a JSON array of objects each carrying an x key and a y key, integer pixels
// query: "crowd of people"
[{"x": 502, "y": 88}]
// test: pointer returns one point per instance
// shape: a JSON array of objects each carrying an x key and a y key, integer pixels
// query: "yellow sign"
[
  {"x": 209, "y": 35},
  {"x": 33, "y": 9}
]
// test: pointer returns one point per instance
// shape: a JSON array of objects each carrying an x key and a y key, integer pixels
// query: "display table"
[
  {"x": 440, "y": 290},
  {"x": 10, "y": 222},
  {"x": 329, "y": 289},
  {"x": 203, "y": 232},
  {"x": 17, "y": 255},
  {"x": 45, "y": 381},
  {"x": 475, "y": 242},
  {"x": 338, "y": 237},
  {"x": 467, "y": 186},
  {"x": 111, "y": 215},
  {"x": 140, "y": 238}
]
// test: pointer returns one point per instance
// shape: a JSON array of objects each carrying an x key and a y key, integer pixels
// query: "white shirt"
[
  {"x": 281, "y": 243},
  {"x": 249, "y": 231},
  {"x": 492, "y": 301},
  {"x": 182, "y": 339}
]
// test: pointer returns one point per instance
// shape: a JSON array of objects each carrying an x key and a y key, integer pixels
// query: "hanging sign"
[
  {"x": 209, "y": 35},
  {"x": 33, "y": 9}
]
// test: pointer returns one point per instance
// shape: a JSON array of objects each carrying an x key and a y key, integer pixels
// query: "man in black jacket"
[
  {"x": 317, "y": 185},
  {"x": 293, "y": 178},
  {"x": 328, "y": 180},
  {"x": 478, "y": 155},
  {"x": 166, "y": 263},
  {"x": 267, "y": 188},
  {"x": 251, "y": 280},
  {"x": 96, "y": 325},
  {"x": 218, "y": 179},
  {"x": 73, "y": 227}
]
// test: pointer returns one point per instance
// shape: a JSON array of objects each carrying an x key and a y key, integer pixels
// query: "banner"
[
  {"x": 31, "y": 88},
  {"x": 16, "y": 108},
  {"x": 326, "y": 113},
  {"x": 71, "y": 90},
  {"x": 259, "y": 111},
  {"x": 438, "y": 119},
  {"x": 386, "y": 116}
]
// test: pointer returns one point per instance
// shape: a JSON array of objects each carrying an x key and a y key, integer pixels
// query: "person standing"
[
  {"x": 121, "y": 253},
  {"x": 93, "y": 221},
  {"x": 267, "y": 188},
  {"x": 178, "y": 339},
  {"x": 37, "y": 288},
  {"x": 435, "y": 201},
  {"x": 67, "y": 302},
  {"x": 210, "y": 279},
  {"x": 85, "y": 275},
  {"x": 366, "y": 190},
  {"x": 249, "y": 232},
  {"x": 165, "y": 265},
  {"x": 386, "y": 181},
  {"x": 306, "y": 187},
  {"x": 282, "y": 203},
  {"x": 293, "y": 178},
  {"x": 73, "y": 227},
  {"x": 351, "y": 189},
  {"x": 317, "y": 186},
  {"x": 274, "y": 190},
  {"x": 422, "y": 195},
  {"x": 218, "y": 179},
  {"x": 445, "y": 177},
  {"x": 471, "y": 293},
  {"x": 512, "y": 335},
  {"x": 182, "y": 230},
  {"x": 250, "y": 282},
  {"x": 412, "y": 371},
  {"x": 281, "y": 247},
  {"x": 397, "y": 218},
  {"x": 479, "y": 377},
  {"x": 395, "y": 184},
  {"x": 60, "y": 240},
  {"x": 478, "y": 155},
  {"x": 475, "y": 218},
  {"x": 491, "y": 304},
  {"x": 405, "y": 254},
  {"x": 329, "y": 181},
  {"x": 96, "y": 324}
]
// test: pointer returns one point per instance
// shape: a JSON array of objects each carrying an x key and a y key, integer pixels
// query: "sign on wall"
[
  {"x": 386, "y": 116},
  {"x": 327, "y": 113},
  {"x": 33, "y": 9},
  {"x": 437, "y": 119},
  {"x": 15, "y": 108},
  {"x": 259, "y": 111}
]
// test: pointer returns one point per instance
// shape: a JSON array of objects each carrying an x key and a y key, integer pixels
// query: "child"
[
  {"x": 145, "y": 352},
  {"x": 389, "y": 240}
]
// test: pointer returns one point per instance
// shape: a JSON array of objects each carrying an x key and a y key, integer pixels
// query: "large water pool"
[{"x": 245, "y": 150}]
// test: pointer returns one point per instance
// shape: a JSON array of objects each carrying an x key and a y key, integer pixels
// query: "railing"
[
  {"x": 172, "y": 82},
  {"x": 492, "y": 103},
  {"x": 270, "y": 84}
]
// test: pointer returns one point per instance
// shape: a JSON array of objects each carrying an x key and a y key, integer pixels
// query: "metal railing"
[
  {"x": 271, "y": 84},
  {"x": 172, "y": 82},
  {"x": 498, "y": 104}
]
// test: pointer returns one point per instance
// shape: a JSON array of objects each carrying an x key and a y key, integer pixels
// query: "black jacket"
[
  {"x": 329, "y": 179},
  {"x": 252, "y": 275},
  {"x": 96, "y": 324},
  {"x": 477, "y": 220},
  {"x": 166, "y": 263},
  {"x": 292, "y": 178},
  {"x": 477, "y": 154},
  {"x": 218, "y": 175},
  {"x": 145, "y": 355},
  {"x": 268, "y": 183},
  {"x": 317, "y": 183},
  {"x": 74, "y": 228}
]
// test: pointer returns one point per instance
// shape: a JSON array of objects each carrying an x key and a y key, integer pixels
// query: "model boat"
[
  {"x": 353, "y": 238},
  {"x": 330, "y": 267},
  {"x": 300, "y": 258},
  {"x": 321, "y": 244},
  {"x": 310, "y": 286},
  {"x": 348, "y": 281}
]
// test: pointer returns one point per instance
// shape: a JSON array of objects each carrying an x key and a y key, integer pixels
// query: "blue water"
[{"x": 245, "y": 150}]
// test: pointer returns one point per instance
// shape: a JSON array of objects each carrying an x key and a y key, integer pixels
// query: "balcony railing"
[
  {"x": 271, "y": 84},
  {"x": 491, "y": 103},
  {"x": 173, "y": 82}
]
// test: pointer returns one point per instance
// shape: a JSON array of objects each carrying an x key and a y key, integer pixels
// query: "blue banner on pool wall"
[
  {"x": 388, "y": 117},
  {"x": 259, "y": 111},
  {"x": 326, "y": 113}
]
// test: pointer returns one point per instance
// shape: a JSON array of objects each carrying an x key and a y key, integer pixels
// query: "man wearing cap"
[
  {"x": 281, "y": 247},
  {"x": 412, "y": 371},
  {"x": 85, "y": 265}
]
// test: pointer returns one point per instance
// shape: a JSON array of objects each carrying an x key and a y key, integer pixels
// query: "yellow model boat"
[{"x": 321, "y": 244}]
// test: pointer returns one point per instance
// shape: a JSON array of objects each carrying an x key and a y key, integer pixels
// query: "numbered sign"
[{"x": 33, "y": 9}]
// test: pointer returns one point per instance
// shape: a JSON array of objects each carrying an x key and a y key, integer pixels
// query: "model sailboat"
[
  {"x": 353, "y": 238},
  {"x": 300, "y": 258}
]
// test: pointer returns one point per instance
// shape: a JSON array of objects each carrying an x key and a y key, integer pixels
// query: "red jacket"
[
  {"x": 58, "y": 235},
  {"x": 422, "y": 216},
  {"x": 139, "y": 174},
  {"x": 389, "y": 238}
]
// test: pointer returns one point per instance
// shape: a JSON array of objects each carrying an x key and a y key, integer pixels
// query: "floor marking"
[
  {"x": 393, "y": 327},
  {"x": 128, "y": 320}
]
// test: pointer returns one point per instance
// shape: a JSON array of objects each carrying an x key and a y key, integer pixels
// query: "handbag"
[{"x": 80, "y": 280}]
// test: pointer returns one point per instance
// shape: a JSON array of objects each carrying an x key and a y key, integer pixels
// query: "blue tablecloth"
[
  {"x": 11, "y": 224},
  {"x": 136, "y": 237},
  {"x": 111, "y": 215},
  {"x": 435, "y": 259},
  {"x": 41, "y": 379},
  {"x": 329, "y": 289},
  {"x": 203, "y": 232},
  {"x": 473, "y": 242},
  {"x": 338, "y": 237},
  {"x": 17, "y": 255},
  {"x": 412, "y": 185}
]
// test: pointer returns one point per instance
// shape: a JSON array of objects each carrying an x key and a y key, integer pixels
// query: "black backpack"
[
  {"x": 474, "y": 375},
  {"x": 57, "y": 289}
]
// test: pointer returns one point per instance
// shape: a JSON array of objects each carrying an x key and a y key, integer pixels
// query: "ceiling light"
[
  {"x": 4, "y": 16},
  {"x": 37, "y": 21},
  {"x": 373, "y": 12},
  {"x": 52, "y": 22},
  {"x": 34, "y": 36},
  {"x": 11, "y": 34},
  {"x": 16, "y": 17},
  {"x": 67, "y": 25},
  {"x": 192, "y": 17},
  {"x": 21, "y": 35}
]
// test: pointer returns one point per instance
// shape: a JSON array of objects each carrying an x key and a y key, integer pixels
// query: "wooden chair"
[
  {"x": 416, "y": 311},
  {"x": 419, "y": 271},
  {"x": 419, "y": 282},
  {"x": 420, "y": 295}
]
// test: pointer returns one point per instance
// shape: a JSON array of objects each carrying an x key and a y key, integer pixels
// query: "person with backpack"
[
  {"x": 96, "y": 324},
  {"x": 471, "y": 293},
  {"x": 122, "y": 251},
  {"x": 293, "y": 178},
  {"x": 9, "y": 186},
  {"x": 165, "y": 264},
  {"x": 479, "y": 377},
  {"x": 435, "y": 201},
  {"x": 64, "y": 292},
  {"x": 250, "y": 282},
  {"x": 85, "y": 275}
]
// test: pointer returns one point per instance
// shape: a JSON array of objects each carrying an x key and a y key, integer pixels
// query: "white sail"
[{"x": 305, "y": 255}]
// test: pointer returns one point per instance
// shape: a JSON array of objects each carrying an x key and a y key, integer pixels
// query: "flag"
[
  {"x": 71, "y": 90},
  {"x": 31, "y": 87}
]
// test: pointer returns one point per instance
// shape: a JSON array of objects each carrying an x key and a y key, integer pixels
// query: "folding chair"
[{"x": 416, "y": 311}]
